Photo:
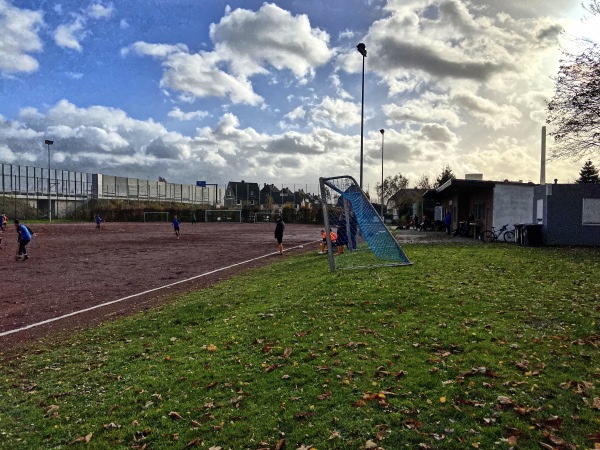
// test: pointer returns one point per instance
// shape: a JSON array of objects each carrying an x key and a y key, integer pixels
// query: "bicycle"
[{"x": 493, "y": 235}]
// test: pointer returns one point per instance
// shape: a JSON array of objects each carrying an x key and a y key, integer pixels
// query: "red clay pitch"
[{"x": 75, "y": 266}]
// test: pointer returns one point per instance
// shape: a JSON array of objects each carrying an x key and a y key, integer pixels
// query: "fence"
[{"x": 27, "y": 191}]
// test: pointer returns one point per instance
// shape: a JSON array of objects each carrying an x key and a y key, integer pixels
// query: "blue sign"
[{"x": 201, "y": 183}]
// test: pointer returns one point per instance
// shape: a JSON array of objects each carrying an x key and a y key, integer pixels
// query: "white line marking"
[{"x": 54, "y": 319}]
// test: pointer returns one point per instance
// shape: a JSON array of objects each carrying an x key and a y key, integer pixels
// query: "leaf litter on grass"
[{"x": 441, "y": 353}]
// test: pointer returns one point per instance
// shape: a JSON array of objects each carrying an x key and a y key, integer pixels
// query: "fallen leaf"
[
  {"x": 327, "y": 394},
  {"x": 553, "y": 423},
  {"x": 596, "y": 403},
  {"x": 194, "y": 443},
  {"x": 175, "y": 415},
  {"x": 370, "y": 444},
  {"x": 287, "y": 352},
  {"x": 272, "y": 367}
]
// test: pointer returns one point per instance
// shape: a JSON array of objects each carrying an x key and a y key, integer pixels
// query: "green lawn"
[{"x": 472, "y": 346}]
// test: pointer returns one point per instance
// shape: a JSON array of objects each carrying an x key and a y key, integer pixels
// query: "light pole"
[
  {"x": 362, "y": 49},
  {"x": 382, "y": 131},
  {"x": 49, "y": 143}
]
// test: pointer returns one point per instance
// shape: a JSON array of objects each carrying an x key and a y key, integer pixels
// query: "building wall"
[
  {"x": 562, "y": 214},
  {"x": 512, "y": 204}
]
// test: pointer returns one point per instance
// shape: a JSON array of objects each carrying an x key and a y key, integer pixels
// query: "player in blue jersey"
[
  {"x": 23, "y": 238},
  {"x": 176, "y": 226}
]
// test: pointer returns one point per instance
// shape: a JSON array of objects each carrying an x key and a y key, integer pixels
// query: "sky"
[{"x": 219, "y": 91}]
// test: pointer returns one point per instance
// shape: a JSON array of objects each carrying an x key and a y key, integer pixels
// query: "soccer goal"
[
  {"x": 151, "y": 216},
  {"x": 362, "y": 238},
  {"x": 223, "y": 215},
  {"x": 261, "y": 217}
]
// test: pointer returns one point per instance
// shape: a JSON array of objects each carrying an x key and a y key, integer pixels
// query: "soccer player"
[
  {"x": 279, "y": 228},
  {"x": 24, "y": 237},
  {"x": 176, "y": 226},
  {"x": 333, "y": 237}
]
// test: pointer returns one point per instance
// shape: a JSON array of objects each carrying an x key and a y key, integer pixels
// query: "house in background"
[
  {"x": 569, "y": 214},
  {"x": 484, "y": 204},
  {"x": 240, "y": 194}
]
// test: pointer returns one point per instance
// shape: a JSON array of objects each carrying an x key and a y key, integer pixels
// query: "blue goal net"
[{"x": 356, "y": 235}]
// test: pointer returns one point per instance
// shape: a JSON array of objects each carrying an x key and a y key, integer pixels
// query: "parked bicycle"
[{"x": 493, "y": 235}]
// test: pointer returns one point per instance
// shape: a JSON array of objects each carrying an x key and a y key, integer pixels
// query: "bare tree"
[
  {"x": 424, "y": 182},
  {"x": 391, "y": 186},
  {"x": 593, "y": 6},
  {"x": 574, "y": 109}
]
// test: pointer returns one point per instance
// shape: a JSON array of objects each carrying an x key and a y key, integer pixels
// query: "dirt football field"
[{"x": 75, "y": 267}]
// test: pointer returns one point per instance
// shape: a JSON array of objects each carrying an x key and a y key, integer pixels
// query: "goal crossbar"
[{"x": 223, "y": 215}]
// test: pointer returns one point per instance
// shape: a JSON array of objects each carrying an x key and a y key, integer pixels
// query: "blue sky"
[{"x": 271, "y": 92}]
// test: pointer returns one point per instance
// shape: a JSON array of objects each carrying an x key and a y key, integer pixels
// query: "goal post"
[
  {"x": 261, "y": 217},
  {"x": 223, "y": 215},
  {"x": 361, "y": 237},
  {"x": 153, "y": 216}
]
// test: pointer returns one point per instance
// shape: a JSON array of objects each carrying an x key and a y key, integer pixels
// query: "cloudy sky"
[{"x": 271, "y": 92}]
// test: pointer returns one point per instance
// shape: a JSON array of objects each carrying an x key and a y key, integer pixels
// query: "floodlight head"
[
  {"x": 48, "y": 142},
  {"x": 382, "y": 131},
  {"x": 362, "y": 49}
]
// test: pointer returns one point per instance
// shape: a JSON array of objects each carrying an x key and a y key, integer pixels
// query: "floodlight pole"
[
  {"x": 49, "y": 143},
  {"x": 362, "y": 49},
  {"x": 382, "y": 131}
]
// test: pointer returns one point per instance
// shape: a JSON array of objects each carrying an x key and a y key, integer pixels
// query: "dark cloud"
[{"x": 405, "y": 55}]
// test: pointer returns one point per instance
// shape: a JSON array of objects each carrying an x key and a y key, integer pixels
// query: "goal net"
[
  {"x": 261, "y": 217},
  {"x": 361, "y": 237},
  {"x": 150, "y": 216},
  {"x": 223, "y": 215}
]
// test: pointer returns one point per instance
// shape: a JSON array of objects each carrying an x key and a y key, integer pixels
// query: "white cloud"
[
  {"x": 19, "y": 37},
  {"x": 6, "y": 154},
  {"x": 178, "y": 114},
  {"x": 251, "y": 41},
  {"x": 99, "y": 11},
  {"x": 199, "y": 75},
  {"x": 428, "y": 108},
  {"x": 70, "y": 35},
  {"x": 336, "y": 112},
  {"x": 155, "y": 50},
  {"x": 296, "y": 114}
]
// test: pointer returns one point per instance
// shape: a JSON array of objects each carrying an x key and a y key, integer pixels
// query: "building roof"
[{"x": 451, "y": 187}]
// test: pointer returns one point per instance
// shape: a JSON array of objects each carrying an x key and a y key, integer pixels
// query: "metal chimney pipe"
[{"x": 543, "y": 158}]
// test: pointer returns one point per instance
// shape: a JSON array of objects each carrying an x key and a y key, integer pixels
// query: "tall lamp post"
[
  {"x": 49, "y": 143},
  {"x": 362, "y": 49},
  {"x": 382, "y": 131}
]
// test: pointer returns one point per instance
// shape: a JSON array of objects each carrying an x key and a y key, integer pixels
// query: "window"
[
  {"x": 478, "y": 211},
  {"x": 591, "y": 211}
]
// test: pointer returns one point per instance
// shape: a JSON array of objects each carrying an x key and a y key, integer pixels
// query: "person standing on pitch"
[
  {"x": 176, "y": 226},
  {"x": 23, "y": 238},
  {"x": 279, "y": 228},
  {"x": 98, "y": 220}
]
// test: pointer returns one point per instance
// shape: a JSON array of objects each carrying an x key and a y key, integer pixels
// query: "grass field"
[{"x": 470, "y": 347}]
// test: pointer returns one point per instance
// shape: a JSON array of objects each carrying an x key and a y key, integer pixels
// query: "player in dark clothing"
[{"x": 279, "y": 228}]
